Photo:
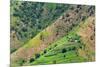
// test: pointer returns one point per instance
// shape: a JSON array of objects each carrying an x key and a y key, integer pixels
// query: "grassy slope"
[{"x": 54, "y": 54}]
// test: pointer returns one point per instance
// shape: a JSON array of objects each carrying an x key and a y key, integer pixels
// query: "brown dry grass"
[{"x": 87, "y": 33}]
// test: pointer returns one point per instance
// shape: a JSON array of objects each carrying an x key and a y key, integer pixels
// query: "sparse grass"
[{"x": 36, "y": 41}]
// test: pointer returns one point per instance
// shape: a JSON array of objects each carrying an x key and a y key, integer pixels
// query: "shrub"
[
  {"x": 63, "y": 50},
  {"x": 32, "y": 59},
  {"x": 80, "y": 47},
  {"x": 21, "y": 61},
  {"x": 69, "y": 49},
  {"x": 78, "y": 6},
  {"x": 76, "y": 10},
  {"x": 37, "y": 56},
  {"x": 72, "y": 8},
  {"x": 91, "y": 37},
  {"x": 24, "y": 29},
  {"x": 41, "y": 36},
  {"x": 83, "y": 18},
  {"x": 67, "y": 15},
  {"x": 12, "y": 50},
  {"x": 54, "y": 62},
  {"x": 55, "y": 45},
  {"x": 64, "y": 55},
  {"x": 50, "y": 48},
  {"x": 45, "y": 51},
  {"x": 73, "y": 48}
]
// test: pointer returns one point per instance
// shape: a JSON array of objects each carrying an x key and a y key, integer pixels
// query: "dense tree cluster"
[{"x": 31, "y": 17}]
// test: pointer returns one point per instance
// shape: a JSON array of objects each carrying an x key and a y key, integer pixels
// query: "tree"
[
  {"x": 67, "y": 15},
  {"x": 32, "y": 59},
  {"x": 37, "y": 56},
  {"x": 83, "y": 18},
  {"x": 64, "y": 55},
  {"x": 41, "y": 36},
  {"x": 55, "y": 45},
  {"x": 63, "y": 50},
  {"x": 45, "y": 51}
]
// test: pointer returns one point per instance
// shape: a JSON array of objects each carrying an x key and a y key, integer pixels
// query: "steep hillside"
[
  {"x": 71, "y": 48},
  {"x": 87, "y": 33},
  {"x": 61, "y": 27},
  {"x": 30, "y": 18}
]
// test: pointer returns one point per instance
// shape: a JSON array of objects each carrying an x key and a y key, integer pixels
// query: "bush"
[
  {"x": 80, "y": 47},
  {"x": 76, "y": 10},
  {"x": 69, "y": 49},
  {"x": 67, "y": 15},
  {"x": 45, "y": 51},
  {"x": 64, "y": 55},
  {"x": 41, "y": 36},
  {"x": 83, "y": 18},
  {"x": 73, "y": 48},
  {"x": 54, "y": 62},
  {"x": 21, "y": 61},
  {"x": 50, "y": 48},
  {"x": 32, "y": 59},
  {"x": 78, "y": 6},
  {"x": 63, "y": 50},
  {"x": 55, "y": 45},
  {"x": 37, "y": 56},
  {"x": 91, "y": 37},
  {"x": 12, "y": 50}
]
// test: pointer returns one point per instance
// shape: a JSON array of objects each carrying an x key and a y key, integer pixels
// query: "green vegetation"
[
  {"x": 63, "y": 50},
  {"x": 21, "y": 61},
  {"x": 37, "y": 56},
  {"x": 29, "y": 18},
  {"x": 32, "y": 60},
  {"x": 48, "y": 33}
]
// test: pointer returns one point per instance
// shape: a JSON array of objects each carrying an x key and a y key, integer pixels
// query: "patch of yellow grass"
[{"x": 36, "y": 40}]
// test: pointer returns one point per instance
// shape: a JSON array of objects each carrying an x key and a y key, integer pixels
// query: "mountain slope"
[
  {"x": 62, "y": 26},
  {"x": 70, "y": 48},
  {"x": 30, "y": 18},
  {"x": 87, "y": 33}
]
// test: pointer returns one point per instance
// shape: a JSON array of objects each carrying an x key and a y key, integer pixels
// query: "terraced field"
[{"x": 64, "y": 33}]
